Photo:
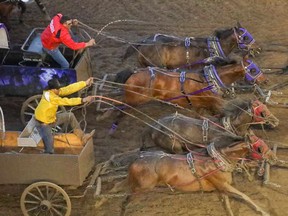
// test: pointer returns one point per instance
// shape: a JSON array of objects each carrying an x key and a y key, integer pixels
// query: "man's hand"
[
  {"x": 89, "y": 81},
  {"x": 75, "y": 22},
  {"x": 91, "y": 42},
  {"x": 87, "y": 99}
]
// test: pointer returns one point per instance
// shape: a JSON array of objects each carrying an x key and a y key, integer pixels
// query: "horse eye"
[
  {"x": 253, "y": 71},
  {"x": 262, "y": 114},
  {"x": 246, "y": 38},
  {"x": 260, "y": 149}
]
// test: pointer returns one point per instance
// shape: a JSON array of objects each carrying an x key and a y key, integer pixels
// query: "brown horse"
[
  {"x": 195, "y": 172},
  {"x": 178, "y": 133},
  {"x": 6, "y": 9},
  {"x": 172, "y": 52},
  {"x": 199, "y": 89},
  {"x": 8, "y": 6}
]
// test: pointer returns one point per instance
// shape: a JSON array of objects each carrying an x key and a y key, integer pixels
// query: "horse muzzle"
[
  {"x": 272, "y": 121},
  {"x": 254, "y": 51}
]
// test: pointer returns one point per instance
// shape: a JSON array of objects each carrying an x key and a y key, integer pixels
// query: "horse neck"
[
  {"x": 235, "y": 151},
  {"x": 231, "y": 73},
  {"x": 228, "y": 44},
  {"x": 241, "y": 122}
]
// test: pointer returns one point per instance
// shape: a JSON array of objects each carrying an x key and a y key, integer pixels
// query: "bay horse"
[
  {"x": 180, "y": 134},
  {"x": 195, "y": 172},
  {"x": 8, "y": 6},
  {"x": 202, "y": 89},
  {"x": 173, "y": 52},
  {"x": 198, "y": 89}
]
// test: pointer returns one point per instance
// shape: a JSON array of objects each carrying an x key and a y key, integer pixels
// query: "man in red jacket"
[{"x": 58, "y": 32}]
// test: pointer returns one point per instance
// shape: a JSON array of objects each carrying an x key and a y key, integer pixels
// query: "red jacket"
[{"x": 55, "y": 34}]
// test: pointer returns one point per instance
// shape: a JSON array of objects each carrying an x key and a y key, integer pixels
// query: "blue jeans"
[
  {"x": 58, "y": 57},
  {"x": 45, "y": 132}
]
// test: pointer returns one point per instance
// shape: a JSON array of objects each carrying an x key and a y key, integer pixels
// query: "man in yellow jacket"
[{"x": 46, "y": 112}]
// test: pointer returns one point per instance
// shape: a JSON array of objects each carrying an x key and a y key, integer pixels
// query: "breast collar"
[{"x": 212, "y": 78}]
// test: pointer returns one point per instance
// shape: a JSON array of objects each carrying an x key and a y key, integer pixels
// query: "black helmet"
[{"x": 54, "y": 84}]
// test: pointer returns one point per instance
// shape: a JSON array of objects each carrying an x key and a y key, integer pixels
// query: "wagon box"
[{"x": 61, "y": 169}]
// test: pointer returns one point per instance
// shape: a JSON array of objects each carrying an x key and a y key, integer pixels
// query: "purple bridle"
[
  {"x": 245, "y": 39},
  {"x": 252, "y": 71}
]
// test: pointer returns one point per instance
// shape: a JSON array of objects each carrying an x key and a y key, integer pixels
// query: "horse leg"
[
  {"x": 22, "y": 6},
  {"x": 227, "y": 204},
  {"x": 236, "y": 193}
]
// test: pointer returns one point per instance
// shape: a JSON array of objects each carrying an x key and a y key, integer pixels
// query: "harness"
[
  {"x": 152, "y": 75},
  {"x": 190, "y": 162},
  {"x": 213, "y": 79},
  {"x": 219, "y": 160},
  {"x": 226, "y": 122},
  {"x": 182, "y": 79},
  {"x": 215, "y": 48}
]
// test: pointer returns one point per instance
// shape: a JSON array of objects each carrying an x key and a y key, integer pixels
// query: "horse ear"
[
  {"x": 238, "y": 24},
  {"x": 245, "y": 58}
]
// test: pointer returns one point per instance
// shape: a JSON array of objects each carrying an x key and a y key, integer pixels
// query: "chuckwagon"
[
  {"x": 25, "y": 69},
  {"x": 70, "y": 165}
]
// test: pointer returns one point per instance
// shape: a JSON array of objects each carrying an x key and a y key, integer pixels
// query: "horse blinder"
[
  {"x": 252, "y": 72},
  {"x": 259, "y": 148},
  {"x": 260, "y": 111},
  {"x": 245, "y": 39}
]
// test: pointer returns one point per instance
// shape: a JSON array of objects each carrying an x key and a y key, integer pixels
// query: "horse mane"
[
  {"x": 123, "y": 76},
  {"x": 234, "y": 107},
  {"x": 223, "y": 33}
]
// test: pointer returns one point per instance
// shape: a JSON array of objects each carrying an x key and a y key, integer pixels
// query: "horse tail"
[
  {"x": 123, "y": 76},
  {"x": 130, "y": 51},
  {"x": 23, "y": 8}
]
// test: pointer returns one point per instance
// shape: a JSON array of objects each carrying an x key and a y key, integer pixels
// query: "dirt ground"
[{"x": 266, "y": 20}]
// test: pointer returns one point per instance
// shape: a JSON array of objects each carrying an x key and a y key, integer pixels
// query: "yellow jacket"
[{"x": 48, "y": 106}]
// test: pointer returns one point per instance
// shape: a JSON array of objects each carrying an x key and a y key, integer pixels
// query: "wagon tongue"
[{"x": 4, "y": 44}]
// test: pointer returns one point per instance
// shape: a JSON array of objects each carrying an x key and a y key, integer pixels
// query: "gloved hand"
[
  {"x": 87, "y": 99},
  {"x": 89, "y": 81}
]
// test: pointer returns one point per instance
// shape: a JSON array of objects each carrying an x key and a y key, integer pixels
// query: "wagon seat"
[{"x": 33, "y": 50}]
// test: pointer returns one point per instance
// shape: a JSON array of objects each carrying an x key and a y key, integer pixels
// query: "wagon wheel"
[
  {"x": 2, "y": 125},
  {"x": 45, "y": 198},
  {"x": 29, "y": 106}
]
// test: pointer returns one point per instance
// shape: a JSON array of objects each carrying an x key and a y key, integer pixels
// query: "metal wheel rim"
[
  {"x": 45, "y": 198},
  {"x": 2, "y": 125}
]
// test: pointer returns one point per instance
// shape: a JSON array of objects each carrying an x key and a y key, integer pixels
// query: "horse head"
[
  {"x": 245, "y": 40},
  {"x": 262, "y": 115},
  {"x": 253, "y": 74},
  {"x": 253, "y": 147},
  {"x": 259, "y": 150}
]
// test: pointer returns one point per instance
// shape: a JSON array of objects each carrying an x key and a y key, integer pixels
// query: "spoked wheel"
[
  {"x": 45, "y": 198},
  {"x": 29, "y": 106}
]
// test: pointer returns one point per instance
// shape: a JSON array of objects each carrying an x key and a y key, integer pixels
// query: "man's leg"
[
  {"x": 69, "y": 118},
  {"x": 58, "y": 57},
  {"x": 47, "y": 137}
]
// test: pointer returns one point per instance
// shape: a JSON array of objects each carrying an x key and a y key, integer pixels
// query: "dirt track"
[{"x": 265, "y": 19}]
